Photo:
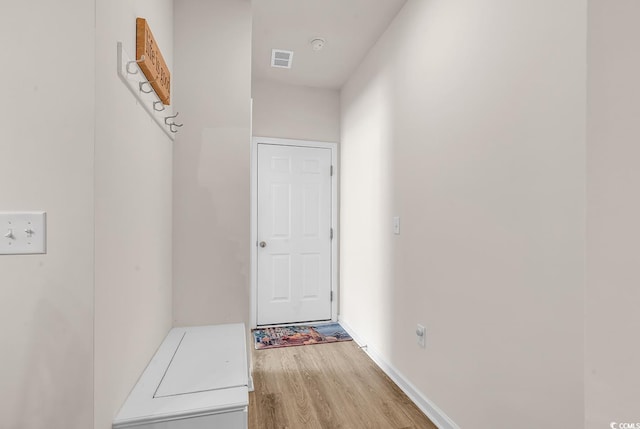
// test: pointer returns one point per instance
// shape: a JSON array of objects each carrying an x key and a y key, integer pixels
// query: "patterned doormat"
[{"x": 287, "y": 336}]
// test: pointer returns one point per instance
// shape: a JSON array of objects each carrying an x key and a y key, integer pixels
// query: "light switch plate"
[{"x": 23, "y": 233}]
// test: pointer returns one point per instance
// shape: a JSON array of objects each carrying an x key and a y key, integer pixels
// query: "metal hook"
[
  {"x": 161, "y": 106},
  {"x": 135, "y": 71},
  {"x": 170, "y": 117},
  {"x": 141, "y": 85},
  {"x": 173, "y": 127}
]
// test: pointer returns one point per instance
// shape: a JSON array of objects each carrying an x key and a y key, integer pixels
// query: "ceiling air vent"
[{"x": 281, "y": 59}]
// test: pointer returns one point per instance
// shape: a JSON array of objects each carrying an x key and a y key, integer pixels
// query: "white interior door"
[{"x": 294, "y": 234}]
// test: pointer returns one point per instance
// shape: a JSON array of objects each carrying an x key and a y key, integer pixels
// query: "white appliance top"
[
  {"x": 197, "y": 371},
  {"x": 203, "y": 362}
]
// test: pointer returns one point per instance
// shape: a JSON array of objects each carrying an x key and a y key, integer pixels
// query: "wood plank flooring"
[{"x": 328, "y": 386}]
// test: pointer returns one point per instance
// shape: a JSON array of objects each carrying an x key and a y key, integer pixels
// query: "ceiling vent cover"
[{"x": 281, "y": 59}]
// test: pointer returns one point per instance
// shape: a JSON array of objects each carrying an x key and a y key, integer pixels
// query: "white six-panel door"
[{"x": 294, "y": 234}]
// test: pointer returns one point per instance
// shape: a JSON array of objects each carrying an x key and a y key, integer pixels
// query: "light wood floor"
[{"x": 328, "y": 386}]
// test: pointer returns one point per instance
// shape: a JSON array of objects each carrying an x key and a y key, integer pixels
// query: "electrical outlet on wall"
[{"x": 421, "y": 334}]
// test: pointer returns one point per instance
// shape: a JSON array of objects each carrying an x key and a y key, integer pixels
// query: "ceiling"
[{"x": 350, "y": 28}]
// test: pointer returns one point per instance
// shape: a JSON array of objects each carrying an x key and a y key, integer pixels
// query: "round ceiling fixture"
[{"x": 317, "y": 43}]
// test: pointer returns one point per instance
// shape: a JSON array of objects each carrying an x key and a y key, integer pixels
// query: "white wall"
[
  {"x": 612, "y": 378},
  {"x": 46, "y": 301},
  {"x": 295, "y": 112},
  {"x": 467, "y": 119},
  {"x": 212, "y": 85},
  {"x": 133, "y": 191}
]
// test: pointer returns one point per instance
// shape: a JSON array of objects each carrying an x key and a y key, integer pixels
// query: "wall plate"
[{"x": 23, "y": 233}]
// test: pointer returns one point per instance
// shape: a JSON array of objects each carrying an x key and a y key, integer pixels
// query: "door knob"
[{"x": 263, "y": 244}]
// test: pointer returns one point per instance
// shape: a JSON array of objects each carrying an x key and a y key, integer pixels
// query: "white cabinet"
[{"x": 198, "y": 379}]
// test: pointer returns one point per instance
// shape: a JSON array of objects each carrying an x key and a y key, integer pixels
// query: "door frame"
[{"x": 255, "y": 141}]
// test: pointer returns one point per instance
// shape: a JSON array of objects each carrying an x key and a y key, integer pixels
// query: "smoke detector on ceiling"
[
  {"x": 281, "y": 59},
  {"x": 317, "y": 43}
]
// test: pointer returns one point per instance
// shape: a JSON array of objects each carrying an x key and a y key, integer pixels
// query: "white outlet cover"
[
  {"x": 23, "y": 233},
  {"x": 396, "y": 225}
]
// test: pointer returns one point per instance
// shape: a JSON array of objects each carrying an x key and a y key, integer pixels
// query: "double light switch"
[{"x": 22, "y": 233}]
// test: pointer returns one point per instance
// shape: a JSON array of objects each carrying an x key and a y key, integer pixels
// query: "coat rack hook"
[
  {"x": 135, "y": 71},
  {"x": 148, "y": 90},
  {"x": 166, "y": 118},
  {"x": 158, "y": 109},
  {"x": 173, "y": 127}
]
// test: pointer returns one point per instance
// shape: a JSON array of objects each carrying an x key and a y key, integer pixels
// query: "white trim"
[
  {"x": 254, "y": 217},
  {"x": 431, "y": 410},
  {"x": 251, "y": 386},
  {"x": 254, "y": 236}
]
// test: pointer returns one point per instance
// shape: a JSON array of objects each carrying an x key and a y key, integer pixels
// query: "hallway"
[{"x": 328, "y": 386}]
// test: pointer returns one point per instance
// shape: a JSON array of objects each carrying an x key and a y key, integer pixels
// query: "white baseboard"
[{"x": 431, "y": 410}]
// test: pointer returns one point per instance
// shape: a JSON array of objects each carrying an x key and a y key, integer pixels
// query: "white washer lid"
[
  {"x": 143, "y": 407},
  {"x": 201, "y": 363}
]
